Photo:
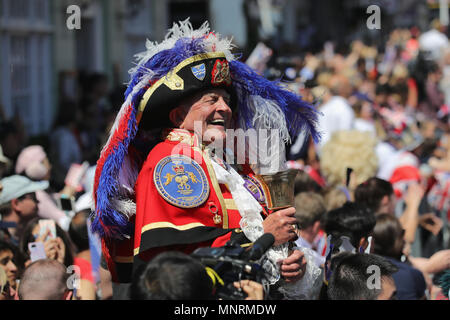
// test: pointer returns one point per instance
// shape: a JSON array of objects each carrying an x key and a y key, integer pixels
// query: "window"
[
  {"x": 138, "y": 29},
  {"x": 20, "y": 76},
  {"x": 25, "y": 71},
  {"x": 19, "y": 9}
]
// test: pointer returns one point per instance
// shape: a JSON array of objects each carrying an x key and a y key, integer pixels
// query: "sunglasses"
[{"x": 29, "y": 196}]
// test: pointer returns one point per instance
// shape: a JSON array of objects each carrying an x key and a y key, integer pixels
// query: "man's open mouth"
[{"x": 217, "y": 122}]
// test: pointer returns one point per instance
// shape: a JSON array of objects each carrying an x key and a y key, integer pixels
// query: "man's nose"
[
  {"x": 222, "y": 105},
  {"x": 11, "y": 266}
]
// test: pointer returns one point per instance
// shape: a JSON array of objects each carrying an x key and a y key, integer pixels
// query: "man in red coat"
[{"x": 159, "y": 185}]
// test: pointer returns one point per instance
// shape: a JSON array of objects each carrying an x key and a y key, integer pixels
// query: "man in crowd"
[
  {"x": 353, "y": 222},
  {"x": 358, "y": 276},
  {"x": 310, "y": 210},
  {"x": 160, "y": 189},
  {"x": 349, "y": 229},
  {"x": 338, "y": 115},
  {"x": 18, "y": 203},
  {"x": 379, "y": 195},
  {"x": 45, "y": 280}
]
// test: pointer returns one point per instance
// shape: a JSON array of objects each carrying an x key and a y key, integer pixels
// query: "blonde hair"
[
  {"x": 3, "y": 279},
  {"x": 349, "y": 149},
  {"x": 335, "y": 198}
]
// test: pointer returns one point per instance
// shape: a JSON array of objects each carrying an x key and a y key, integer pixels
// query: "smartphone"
[
  {"x": 45, "y": 225},
  {"x": 37, "y": 251},
  {"x": 66, "y": 203}
]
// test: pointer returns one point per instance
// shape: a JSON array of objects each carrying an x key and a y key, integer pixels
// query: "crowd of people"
[
  {"x": 373, "y": 191},
  {"x": 385, "y": 145}
]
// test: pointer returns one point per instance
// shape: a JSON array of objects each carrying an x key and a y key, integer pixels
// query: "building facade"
[{"x": 41, "y": 57}]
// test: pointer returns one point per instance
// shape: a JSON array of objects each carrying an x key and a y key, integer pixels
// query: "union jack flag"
[{"x": 439, "y": 195}]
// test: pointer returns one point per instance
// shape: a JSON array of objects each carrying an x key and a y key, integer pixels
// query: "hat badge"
[{"x": 199, "y": 71}]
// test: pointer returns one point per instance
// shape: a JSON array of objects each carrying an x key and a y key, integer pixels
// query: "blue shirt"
[{"x": 409, "y": 281}]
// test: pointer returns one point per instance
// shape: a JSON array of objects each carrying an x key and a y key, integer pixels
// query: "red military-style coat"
[{"x": 206, "y": 217}]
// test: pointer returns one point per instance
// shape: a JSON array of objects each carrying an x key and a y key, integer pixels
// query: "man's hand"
[
  {"x": 293, "y": 268},
  {"x": 54, "y": 248},
  {"x": 254, "y": 290},
  {"x": 430, "y": 222},
  {"x": 280, "y": 225}
]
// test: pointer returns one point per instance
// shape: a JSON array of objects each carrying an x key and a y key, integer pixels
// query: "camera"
[{"x": 233, "y": 263}]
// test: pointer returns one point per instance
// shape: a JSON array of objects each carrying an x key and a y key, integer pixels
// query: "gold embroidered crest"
[{"x": 221, "y": 73}]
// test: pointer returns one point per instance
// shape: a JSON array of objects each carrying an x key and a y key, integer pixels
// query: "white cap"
[{"x": 17, "y": 186}]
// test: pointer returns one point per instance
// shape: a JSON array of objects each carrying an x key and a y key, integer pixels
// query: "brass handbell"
[{"x": 279, "y": 189}]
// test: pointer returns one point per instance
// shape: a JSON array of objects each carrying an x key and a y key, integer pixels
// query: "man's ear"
[
  {"x": 176, "y": 116},
  {"x": 316, "y": 227},
  {"x": 384, "y": 200},
  {"x": 15, "y": 204}
]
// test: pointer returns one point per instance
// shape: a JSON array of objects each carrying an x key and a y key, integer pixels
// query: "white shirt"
[
  {"x": 391, "y": 159},
  {"x": 365, "y": 126},
  {"x": 337, "y": 116}
]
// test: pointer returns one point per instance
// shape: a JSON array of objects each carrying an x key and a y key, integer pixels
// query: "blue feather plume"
[{"x": 299, "y": 114}]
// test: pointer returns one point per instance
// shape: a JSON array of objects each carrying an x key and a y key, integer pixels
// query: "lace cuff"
[{"x": 308, "y": 287}]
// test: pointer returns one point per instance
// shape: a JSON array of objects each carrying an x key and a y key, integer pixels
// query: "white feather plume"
[
  {"x": 181, "y": 30},
  {"x": 270, "y": 124}
]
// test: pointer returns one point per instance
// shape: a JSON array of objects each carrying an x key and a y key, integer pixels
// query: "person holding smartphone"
[{"x": 57, "y": 247}]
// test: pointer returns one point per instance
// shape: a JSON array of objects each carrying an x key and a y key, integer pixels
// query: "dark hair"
[
  {"x": 5, "y": 209},
  {"x": 304, "y": 183},
  {"x": 388, "y": 236},
  {"x": 172, "y": 276},
  {"x": 382, "y": 89},
  {"x": 78, "y": 232},
  {"x": 350, "y": 275},
  {"x": 353, "y": 220},
  {"x": 27, "y": 237},
  {"x": 371, "y": 192},
  {"x": 6, "y": 246},
  {"x": 7, "y": 128}
]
